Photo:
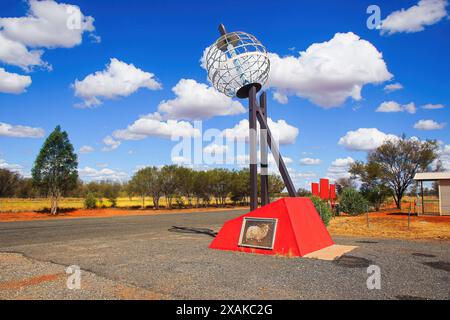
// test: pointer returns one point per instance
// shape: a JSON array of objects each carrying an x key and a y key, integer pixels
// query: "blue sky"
[{"x": 165, "y": 40}]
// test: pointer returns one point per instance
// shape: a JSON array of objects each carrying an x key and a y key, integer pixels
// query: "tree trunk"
[
  {"x": 143, "y": 202},
  {"x": 54, "y": 206}
]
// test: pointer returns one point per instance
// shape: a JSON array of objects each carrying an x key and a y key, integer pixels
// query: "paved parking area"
[{"x": 138, "y": 257}]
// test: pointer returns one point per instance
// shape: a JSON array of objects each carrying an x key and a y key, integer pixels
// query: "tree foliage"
[{"x": 55, "y": 169}]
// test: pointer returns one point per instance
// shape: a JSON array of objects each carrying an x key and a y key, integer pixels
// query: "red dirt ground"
[{"x": 98, "y": 213}]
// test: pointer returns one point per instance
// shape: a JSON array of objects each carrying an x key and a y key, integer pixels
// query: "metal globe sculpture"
[{"x": 236, "y": 62}]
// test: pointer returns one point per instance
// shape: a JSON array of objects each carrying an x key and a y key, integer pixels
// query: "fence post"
[
  {"x": 367, "y": 217},
  {"x": 409, "y": 215}
]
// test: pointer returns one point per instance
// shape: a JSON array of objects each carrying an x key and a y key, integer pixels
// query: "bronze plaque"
[{"x": 258, "y": 233}]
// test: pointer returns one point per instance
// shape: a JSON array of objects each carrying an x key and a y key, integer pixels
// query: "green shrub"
[
  {"x": 352, "y": 202},
  {"x": 90, "y": 202},
  {"x": 323, "y": 208}
]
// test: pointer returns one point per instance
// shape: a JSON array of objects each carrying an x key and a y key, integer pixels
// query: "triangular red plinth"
[{"x": 300, "y": 229}]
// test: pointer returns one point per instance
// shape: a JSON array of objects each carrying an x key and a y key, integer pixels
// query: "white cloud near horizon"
[
  {"x": 283, "y": 132},
  {"x": 13, "y": 83},
  {"x": 364, "y": 139},
  {"x": 11, "y": 167},
  {"x": 19, "y": 131},
  {"x": 91, "y": 174},
  {"x": 339, "y": 168},
  {"x": 328, "y": 73},
  {"x": 428, "y": 125},
  {"x": 415, "y": 18},
  {"x": 310, "y": 161},
  {"x": 119, "y": 79}
]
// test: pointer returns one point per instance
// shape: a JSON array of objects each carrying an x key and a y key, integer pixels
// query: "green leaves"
[{"x": 55, "y": 169}]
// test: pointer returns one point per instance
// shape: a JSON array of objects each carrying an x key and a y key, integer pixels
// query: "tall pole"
[
  {"x": 264, "y": 160},
  {"x": 253, "y": 152},
  {"x": 277, "y": 156}
]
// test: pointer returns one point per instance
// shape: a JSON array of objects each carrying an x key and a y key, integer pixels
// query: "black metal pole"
[
  {"x": 253, "y": 155},
  {"x": 278, "y": 158},
  {"x": 264, "y": 156},
  {"x": 421, "y": 191}
]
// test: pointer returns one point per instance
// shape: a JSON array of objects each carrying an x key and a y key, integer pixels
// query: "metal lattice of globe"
[{"x": 236, "y": 62}]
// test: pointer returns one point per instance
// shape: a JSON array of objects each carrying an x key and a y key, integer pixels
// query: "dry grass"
[
  {"x": 39, "y": 204},
  {"x": 392, "y": 224}
]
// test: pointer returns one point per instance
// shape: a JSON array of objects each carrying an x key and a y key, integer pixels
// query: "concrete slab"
[{"x": 330, "y": 253}]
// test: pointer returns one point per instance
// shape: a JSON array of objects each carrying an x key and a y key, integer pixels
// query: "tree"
[
  {"x": 185, "y": 177},
  {"x": 276, "y": 185},
  {"x": 399, "y": 160},
  {"x": 169, "y": 183},
  {"x": 344, "y": 183},
  {"x": 8, "y": 182},
  {"x": 372, "y": 187},
  {"x": 352, "y": 202},
  {"x": 146, "y": 182},
  {"x": 55, "y": 169},
  {"x": 302, "y": 192}
]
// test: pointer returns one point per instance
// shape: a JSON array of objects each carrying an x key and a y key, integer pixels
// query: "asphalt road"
[{"x": 140, "y": 252}]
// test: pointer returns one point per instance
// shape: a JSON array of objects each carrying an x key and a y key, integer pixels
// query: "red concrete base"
[{"x": 300, "y": 229}]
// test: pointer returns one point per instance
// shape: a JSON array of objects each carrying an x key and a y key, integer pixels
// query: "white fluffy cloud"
[
  {"x": 428, "y": 125},
  {"x": 9, "y": 166},
  {"x": 86, "y": 149},
  {"x": 310, "y": 161},
  {"x": 110, "y": 144},
  {"x": 392, "y": 106},
  {"x": 151, "y": 125},
  {"x": 92, "y": 174},
  {"x": 48, "y": 24},
  {"x": 283, "y": 132},
  {"x": 215, "y": 148},
  {"x": 339, "y": 168},
  {"x": 364, "y": 139},
  {"x": 17, "y": 54},
  {"x": 12, "y": 82},
  {"x": 415, "y": 18},
  {"x": 8, "y": 130},
  {"x": 195, "y": 101},
  {"x": 431, "y": 106},
  {"x": 119, "y": 79},
  {"x": 393, "y": 87},
  {"x": 328, "y": 73}
]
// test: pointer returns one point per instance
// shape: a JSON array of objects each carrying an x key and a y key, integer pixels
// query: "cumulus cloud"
[
  {"x": 282, "y": 132},
  {"x": 11, "y": 167},
  {"x": 415, "y": 18},
  {"x": 328, "y": 73},
  {"x": 392, "y": 106},
  {"x": 48, "y": 24},
  {"x": 310, "y": 161},
  {"x": 110, "y": 144},
  {"x": 195, "y": 101},
  {"x": 215, "y": 148},
  {"x": 18, "y": 131},
  {"x": 119, "y": 79},
  {"x": 364, "y": 139},
  {"x": 13, "y": 83},
  {"x": 151, "y": 125},
  {"x": 17, "y": 54},
  {"x": 393, "y": 87},
  {"x": 430, "y": 106},
  {"x": 92, "y": 174},
  {"x": 339, "y": 168},
  {"x": 86, "y": 149},
  {"x": 428, "y": 125}
]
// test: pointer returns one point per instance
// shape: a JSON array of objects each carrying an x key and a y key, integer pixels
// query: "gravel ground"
[{"x": 138, "y": 255}]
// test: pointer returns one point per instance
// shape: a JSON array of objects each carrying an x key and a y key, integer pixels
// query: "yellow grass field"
[{"x": 19, "y": 205}]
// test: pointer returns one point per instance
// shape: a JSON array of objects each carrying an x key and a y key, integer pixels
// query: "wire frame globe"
[{"x": 236, "y": 62}]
